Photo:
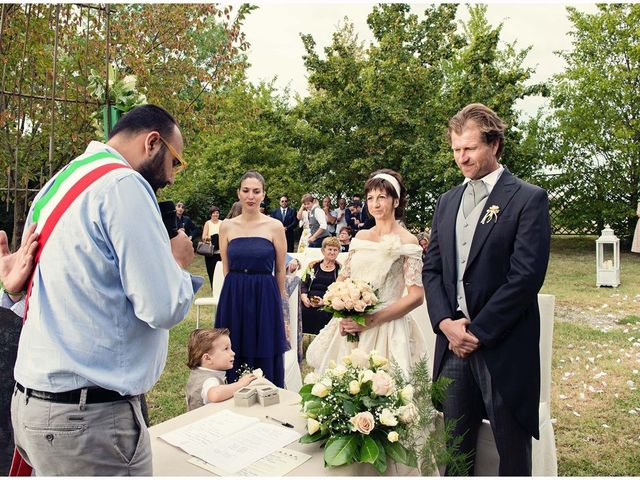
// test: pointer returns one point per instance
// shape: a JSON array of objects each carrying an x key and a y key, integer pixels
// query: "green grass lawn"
[{"x": 595, "y": 365}]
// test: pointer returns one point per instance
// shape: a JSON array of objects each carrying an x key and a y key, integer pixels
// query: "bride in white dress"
[{"x": 388, "y": 257}]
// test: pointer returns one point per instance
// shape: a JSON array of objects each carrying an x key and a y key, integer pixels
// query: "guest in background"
[
  {"x": 210, "y": 235},
  {"x": 331, "y": 220},
  {"x": 317, "y": 221},
  {"x": 183, "y": 222},
  {"x": 423, "y": 240},
  {"x": 235, "y": 210},
  {"x": 263, "y": 207},
  {"x": 303, "y": 223},
  {"x": 635, "y": 245},
  {"x": 345, "y": 239},
  {"x": 210, "y": 355},
  {"x": 339, "y": 214},
  {"x": 253, "y": 249},
  {"x": 352, "y": 216},
  {"x": 288, "y": 218},
  {"x": 316, "y": 279}
]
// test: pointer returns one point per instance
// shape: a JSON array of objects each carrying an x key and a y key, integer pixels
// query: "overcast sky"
[{"x": 274, "y": 30}]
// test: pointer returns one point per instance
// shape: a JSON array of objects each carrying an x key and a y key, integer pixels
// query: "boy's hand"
[{"x": 247, "y": 379}]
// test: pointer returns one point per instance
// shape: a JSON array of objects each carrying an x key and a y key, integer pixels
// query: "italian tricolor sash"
[{"x": 47, "y": 211}]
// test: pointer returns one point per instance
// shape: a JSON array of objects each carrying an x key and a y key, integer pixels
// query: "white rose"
[
  {"x": 363, "y": 422},
  {"x": 258, "y": 373},
  {"x": 312, "y": 426},
  {"x": 359, "y": 358},
  {"x": 339, "y": 371},
  {"x": 382, "y": 383},
  {"x": 320, "y": 390},
  {"x": 346, "y": 359},
  {"x": 354, "y": 296},
  {"x": 366, "y": 298},
  {"x": 406, "y": 394},
  {"x": 393, "y": 436},
  {"x": 366, "y": 376},
  {"x": 408, "y": 413},
  {"x": 348, "y": 304},
  {"x": 311, "y": 377},
  {"x": 354, "y": 387},
  {"x": 388, "y": 418}
]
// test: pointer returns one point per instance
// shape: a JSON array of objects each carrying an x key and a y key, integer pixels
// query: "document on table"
[
  {"x": 230, "y": 441},
  {"x": 276, "y": 464}
]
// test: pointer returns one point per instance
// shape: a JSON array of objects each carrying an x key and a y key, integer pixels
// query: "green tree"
[
  {"x": 387, "y": 105},
  {"x": 593, "y": 135}
]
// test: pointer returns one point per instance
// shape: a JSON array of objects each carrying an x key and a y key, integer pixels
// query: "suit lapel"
[
  {"x": 501, "y": 195},
  {"x": 447, "y": 233}
]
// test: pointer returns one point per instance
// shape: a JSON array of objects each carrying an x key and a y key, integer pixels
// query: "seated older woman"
[{"x": 316, "y": 279}]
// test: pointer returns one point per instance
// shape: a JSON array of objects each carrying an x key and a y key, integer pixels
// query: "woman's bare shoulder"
[{"x": 406, "y": 237}]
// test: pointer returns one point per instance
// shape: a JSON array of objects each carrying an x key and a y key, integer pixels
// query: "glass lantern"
[{"x": 607, "y": 259}]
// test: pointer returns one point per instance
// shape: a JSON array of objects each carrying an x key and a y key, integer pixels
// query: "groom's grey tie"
[{"x": 475, "y": 192}]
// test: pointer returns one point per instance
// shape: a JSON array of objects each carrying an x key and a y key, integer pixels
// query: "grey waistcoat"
[
  {"x": 465, "y": 228},
  {"x": 314, "y": 225}
]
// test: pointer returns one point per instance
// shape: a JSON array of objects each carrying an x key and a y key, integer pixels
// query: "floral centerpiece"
[
  {"x": 350, "y": 298},
  {"x": 365, "y": 413}
]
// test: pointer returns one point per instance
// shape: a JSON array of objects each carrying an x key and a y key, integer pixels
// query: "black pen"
[{"x": 284, "y": 424}]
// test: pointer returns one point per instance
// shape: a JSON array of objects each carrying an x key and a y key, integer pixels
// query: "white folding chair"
[{"x": 212, "y": 301}]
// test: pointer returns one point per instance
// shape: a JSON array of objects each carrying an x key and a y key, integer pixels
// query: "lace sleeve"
[
  {"x": 412, "y": 269},
  {"x": 345, "y": 271}
]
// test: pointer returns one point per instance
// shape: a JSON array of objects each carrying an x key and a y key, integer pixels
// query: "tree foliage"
[
  {"x": 387, "y": 104},
  {"x": 593, "y": 135}
]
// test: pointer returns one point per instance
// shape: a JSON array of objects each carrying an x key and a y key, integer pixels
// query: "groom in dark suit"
[
  {"x": 288, "y": 218},
  {"x": 486, "y": 262}
]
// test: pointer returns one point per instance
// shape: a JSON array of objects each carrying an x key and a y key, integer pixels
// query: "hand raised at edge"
[{"x": 15, "y": 268}]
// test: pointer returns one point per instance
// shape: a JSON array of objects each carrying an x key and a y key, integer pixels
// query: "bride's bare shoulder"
[
  {"x": 406, "y": 237},
  {"x": 363, "y": 235}
]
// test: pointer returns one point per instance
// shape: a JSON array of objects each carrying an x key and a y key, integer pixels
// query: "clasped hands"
[{"x": 461, "y": 341}]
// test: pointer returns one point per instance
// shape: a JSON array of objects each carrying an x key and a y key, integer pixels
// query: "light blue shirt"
[
  {"x": 15, "y": 307},
  {"x": 106, "y": 292}
]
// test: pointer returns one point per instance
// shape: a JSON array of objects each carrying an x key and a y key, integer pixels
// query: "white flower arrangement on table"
[
  {"x": 365, "y": 414},
  {"x": 350, "y": 298},
  {"x": 491, "y": 214}
]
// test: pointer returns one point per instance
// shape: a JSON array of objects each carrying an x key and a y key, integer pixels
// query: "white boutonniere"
[{"x": 491, "y": 214}]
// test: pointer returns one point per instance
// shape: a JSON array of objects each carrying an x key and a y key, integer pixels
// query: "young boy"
[{"x": 210, "y": 355}]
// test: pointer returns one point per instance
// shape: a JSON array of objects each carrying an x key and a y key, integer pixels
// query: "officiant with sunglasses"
[{"x": 101, "y": 303}]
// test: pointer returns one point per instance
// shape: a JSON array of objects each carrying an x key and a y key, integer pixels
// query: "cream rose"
[
  {"x": 388, "y": 418},
  {"x": 393, "y": 436},
  {"x": 339, "y": 371},
  {"x": 348, "y": 304},
  {"x": 406, "y": 394},
  {"x": 359, "y": 306},
  {"x": 378, "y": 360},
  {"x": 337, "y": 304},
  {"x": 363, "y": 422},
  {"x": 312, "y": 426},
  {"x": 382, "y": 383},
  {"x": 320, "y": 390},
  {"x": 354, "y": 387},
  {"x": 346, "y": 359},
  {"x": 408, "y": 413}
]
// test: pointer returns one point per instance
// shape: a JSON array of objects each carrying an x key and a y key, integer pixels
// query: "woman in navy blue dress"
[{"x": 252, "y": 247}]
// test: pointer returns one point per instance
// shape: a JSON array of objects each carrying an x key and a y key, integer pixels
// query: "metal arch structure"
[{"x": 45, "y": 109}]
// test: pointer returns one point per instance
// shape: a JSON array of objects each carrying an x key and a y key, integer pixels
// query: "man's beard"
[{"x": 152, "y": 171}]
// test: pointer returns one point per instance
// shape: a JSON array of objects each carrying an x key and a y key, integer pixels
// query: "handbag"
[{"x": 205, "y": 249}]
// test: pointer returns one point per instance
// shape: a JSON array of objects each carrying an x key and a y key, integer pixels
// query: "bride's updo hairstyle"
[
  {"x": 377, "y": 181},
  {"x": 253, "y": 174}
]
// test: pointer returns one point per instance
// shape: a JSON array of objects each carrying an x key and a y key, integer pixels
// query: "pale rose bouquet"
[
  {"x": 364, "y": 412},
  {"x": 350, "y": 298}
]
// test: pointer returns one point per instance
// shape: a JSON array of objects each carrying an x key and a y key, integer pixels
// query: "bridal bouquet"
[
  {"x": 350, "y": 298},
  {"x": 364, "y": 413}
]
